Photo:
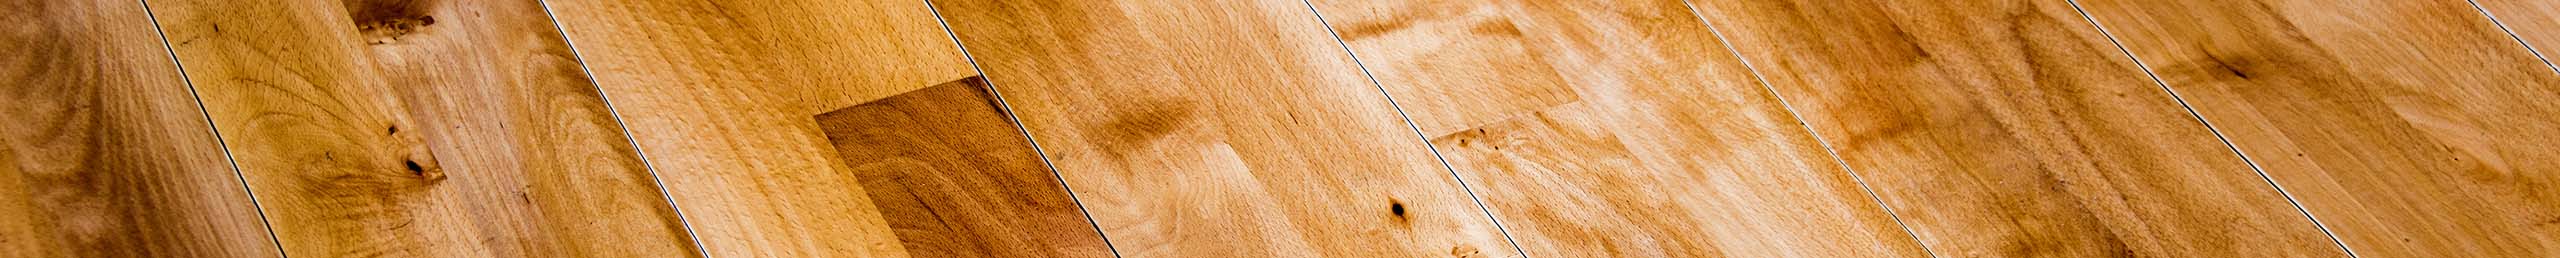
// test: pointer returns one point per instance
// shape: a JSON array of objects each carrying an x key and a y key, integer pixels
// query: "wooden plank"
[
  {"x": 2537, "y": 22},
  {"x": 2410, "y": 128},
  {"x": 2012, "y": 128},
  {"x": 721, "y": 94},
  {"x": 1661, "y": 144},
  {"x": 105, "y": 153},
  {"x": 419, "y": 129},
  {"x": 955, "y": 177},
  {"x": 1220, "y": 129}
]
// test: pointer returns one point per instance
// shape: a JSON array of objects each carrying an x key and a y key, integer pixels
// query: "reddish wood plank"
[{"x": 956, "y": 178}]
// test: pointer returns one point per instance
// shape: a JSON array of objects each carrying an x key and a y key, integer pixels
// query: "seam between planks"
[
  {"x": 183, "y": 78},
  {"x": 2208, "y": 126},
  {"x": 627, "y": 136},
  {"x": 1417, "y": 130},
  {"x": 2511, "y": 33},
  {"x": 1808, "y": 129},
  {"x": 1007, "y": 108}
]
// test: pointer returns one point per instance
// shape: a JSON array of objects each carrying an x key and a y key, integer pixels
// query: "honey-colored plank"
[
  {"x": 1663, "y": 144},
  {"x": 2411, "y": 128},
  {"x": 458, "y": 128},
  {"x": 1220, "y": 129},
  {"x": 2537, "y": 22},
  {"x": 955, "y": 178},
  {"x": 104, "y": 152},
  {"x": 720, "y": 95},
  {"x": 2012, "y": 128}
]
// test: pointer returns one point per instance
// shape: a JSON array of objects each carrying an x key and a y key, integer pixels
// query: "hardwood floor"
[
  {"x": 2536, "y": 22},
  {"x": 720, "y": 96},
  {"x": 1614, "y": 129},
  {"x": 419, "y": 129},
  {"x": 955, "y": 178},
  {"x": 104, "y": 152},
  {"x": 2012, "y": 128},
  {"x": 1186, "y": 125},
  {"x": 1279, "y": 128},
  {"x": 2445, "y": 150}
]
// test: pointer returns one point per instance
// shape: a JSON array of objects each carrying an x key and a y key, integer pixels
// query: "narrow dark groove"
[
  {"x": 1827, "y": 149},
  {"x": 172, "y": 51},
  {"x": 2208, "y": 126},
  {"x": 627, "y": 137},
  {"x": 2511, "y": 33},
  {"x": 1417, "y": 129},
  {"x": 1007, "y": 108}
]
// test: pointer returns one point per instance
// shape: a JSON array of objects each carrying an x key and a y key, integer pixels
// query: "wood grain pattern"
[
  {"x": 2537, "y": 22},
  {"x": 955, "y": 178},
  {"x": 456, "y": 128},
  {"x": 104, "y": 152},
  {"x": 1220, "y": 129},
  {"x": 2012, "y": 128},
  {"x": 720, "y": 95},
  {"x": 2410, "y": 128},
  {"x": 1663, "y": 146}
]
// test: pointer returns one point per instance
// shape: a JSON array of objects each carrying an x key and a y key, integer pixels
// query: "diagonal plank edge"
[
  {"x": 104, "y": 152},
  {"x": 721, "y": 94},
  {"x": 1604, "y": 129},
  {"x": 1219, "y": 128},
  {"x": 2011, "y": 128},
  {"x": 955, "y": 178},
  {"x": 2411, "y": 128},
  {"x": 419, "y": 129}
]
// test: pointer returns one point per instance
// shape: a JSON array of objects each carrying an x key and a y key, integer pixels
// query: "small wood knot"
[
  {"x": 1397, "y": 208},
  {"x": 421, "y": 170}
]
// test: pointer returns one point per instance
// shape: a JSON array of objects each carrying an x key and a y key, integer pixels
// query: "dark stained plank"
[
  {"x": 2012, "y": 128},
  {"x": 955, "y": 178},
  {"x": 455, "y": 128},
  {"x": 720, "y": 95},
  {"x": 1643, "y": 137},
  {"x": 104, "y": 152},
  {"x": 2411, "y": 128},
  {"x": 1220, "y": 129}
]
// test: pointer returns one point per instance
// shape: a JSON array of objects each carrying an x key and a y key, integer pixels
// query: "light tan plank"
[
  {"x": 721, "y": 94},
  {"x": 458, "y": 128},
  {"x": 1662, "y": 145},
  {"x": 2535, "y": 21},
  {"x": 104, "y": 152},
  {"x": 1220, "y": 129},
  {"x": 2012, "y": 128},
  {"x": 955, "y": 178},
  {"x": 2412, "y": 128}
]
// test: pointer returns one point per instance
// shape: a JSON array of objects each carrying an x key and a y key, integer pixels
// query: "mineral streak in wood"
[
  {"x": 103, "y": 152},
  {"x": 1220, "y": 129},
  {"x": 457, "y": 128},
  {"x": 2411, "y": 128},
  {"x": 955, "y": 178},
  {"x": 2012, "y": 128},
  {"x": 720, "y": 95},
  {"x": 1615, "y": 129}
]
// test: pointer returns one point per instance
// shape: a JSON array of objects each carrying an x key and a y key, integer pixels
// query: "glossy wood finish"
[
  {"x": 104, "y": 152},
  {"x": 454, "y": 128},
  {"x": 2536, "y": 22},
  {"x": 720, "y": 95},
  {"x": 955, "y": 177},
  {"x": 1644, "y": 138},
  {"x": 2410, "y": 128},
  {"x": 1220, "y": 129},
  {"x": 2012, "y": 128}
]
